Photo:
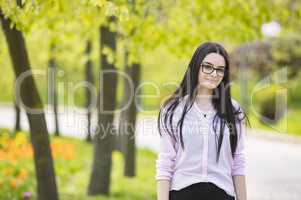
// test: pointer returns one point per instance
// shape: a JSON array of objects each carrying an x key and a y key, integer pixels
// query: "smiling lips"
[{"x": 211, "y": 80}]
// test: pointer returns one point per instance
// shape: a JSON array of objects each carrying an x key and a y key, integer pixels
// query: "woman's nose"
[{"x": 214, "y": 73}]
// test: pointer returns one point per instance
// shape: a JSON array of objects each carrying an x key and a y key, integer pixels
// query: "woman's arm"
[
  {"x": 240, "y": 187},
  {"x": 165, "y": 164},
  {"x": 163, "y": 189},
  {"x": 239, "y": 164},
  {"x": 239, "y": 171}
]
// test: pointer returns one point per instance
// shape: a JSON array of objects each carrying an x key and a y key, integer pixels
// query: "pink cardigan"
[{"x": 198, "y": 162}]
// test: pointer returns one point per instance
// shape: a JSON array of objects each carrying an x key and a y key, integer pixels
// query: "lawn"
[
  {"x": 288, "y": 124},
  {"x": 73, "y": 159}
]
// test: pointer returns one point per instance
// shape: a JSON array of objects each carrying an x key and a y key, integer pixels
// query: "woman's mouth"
[{"x": 211, "y": 80}]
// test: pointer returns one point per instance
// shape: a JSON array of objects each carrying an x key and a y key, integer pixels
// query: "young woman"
[{"x": 202, "y": 130}]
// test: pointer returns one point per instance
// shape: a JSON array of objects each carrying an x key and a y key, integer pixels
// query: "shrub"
[
  {"x": 17, "y": 175},
  {"x": 271, "y": 106}
]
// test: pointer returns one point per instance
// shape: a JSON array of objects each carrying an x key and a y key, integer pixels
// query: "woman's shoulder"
[
  {"x": 238, "y": 109},
  {"x": 179, "y": 106},
  {"x": 235, "y": 103}
]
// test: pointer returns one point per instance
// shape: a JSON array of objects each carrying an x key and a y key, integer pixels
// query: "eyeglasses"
[{"x": 208, "y": 68}]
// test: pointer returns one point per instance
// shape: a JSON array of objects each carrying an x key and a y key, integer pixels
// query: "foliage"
[
  {"x": 187, "y": 23},
  {"x": 270, "y": 101},
  {"x": 286, "y": 52},
  {"x": 145, "y": 28}
]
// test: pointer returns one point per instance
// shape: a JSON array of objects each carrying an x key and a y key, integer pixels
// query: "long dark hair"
[{"x": 221, "y": 99}]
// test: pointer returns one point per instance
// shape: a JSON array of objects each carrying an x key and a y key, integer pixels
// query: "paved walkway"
[{"x": 273, "y": 160}]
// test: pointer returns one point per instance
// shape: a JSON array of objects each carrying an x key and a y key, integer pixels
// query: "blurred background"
[{"x": 82, "y": 81}]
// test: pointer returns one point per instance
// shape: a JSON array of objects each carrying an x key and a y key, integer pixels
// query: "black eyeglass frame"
[{"x": 212, "y": 69}]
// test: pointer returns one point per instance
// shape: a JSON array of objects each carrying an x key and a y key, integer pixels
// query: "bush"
[
  {"x": 16, "y": 173},
  {"x": 271, "y": 107},
  {"x": 294, "y": 90}
]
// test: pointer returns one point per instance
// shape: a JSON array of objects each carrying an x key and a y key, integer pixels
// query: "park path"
[{"x": 273, "y": 159}]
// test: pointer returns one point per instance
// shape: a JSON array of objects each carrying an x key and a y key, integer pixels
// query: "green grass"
[
  {"x": 73, "y": 177},
  {"x": 288, "y": 124},
  {"x": 293, "y": 119}
]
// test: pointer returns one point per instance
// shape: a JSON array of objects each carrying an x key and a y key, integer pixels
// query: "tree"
[
  {"x": 178, "y": 25},
  {"x": 104, "y": 139},
  {"x": 46, "y": 184},
  {"x": 130, "y": 150},
  {"x": 127, "y": 121},
  {"x": 89, "y": 79},
  {"x": 17, "y": 116},
  {"x": 52, "y": 87}
]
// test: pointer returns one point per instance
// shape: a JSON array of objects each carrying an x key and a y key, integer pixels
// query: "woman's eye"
[{"x": 207, "y": 66}]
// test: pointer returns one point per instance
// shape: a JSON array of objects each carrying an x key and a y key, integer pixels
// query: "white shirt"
[{"x": 198, "y": 162}]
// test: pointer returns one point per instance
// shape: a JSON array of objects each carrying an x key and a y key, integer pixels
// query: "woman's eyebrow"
[{"x": 208, "y": 63}]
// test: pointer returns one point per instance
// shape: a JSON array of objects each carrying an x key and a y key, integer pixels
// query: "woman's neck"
[{"x": 204, "y": 99}]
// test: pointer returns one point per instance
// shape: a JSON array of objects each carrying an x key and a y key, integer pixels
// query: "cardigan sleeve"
[
  {"x": 166, "y": 156},
  {"x": 239, "y": 160}
]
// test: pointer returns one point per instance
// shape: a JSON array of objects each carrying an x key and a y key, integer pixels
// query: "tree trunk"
[
  {"x": 29, "y": 97},
  {"x": 52, "y": 88},
  {"x": 104, "y": 140},
  {"x": 17, "y": 117},
  {"x": 125, "y": 139},
  {"x": 16, "y": 103},
  {"x": 130, "y": 150},
  {"x": 89, "y": 79},
  {"x": 121, "y": 139}
]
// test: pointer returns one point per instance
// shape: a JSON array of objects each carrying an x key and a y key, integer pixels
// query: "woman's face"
[{"x": 211, "y": 81}]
